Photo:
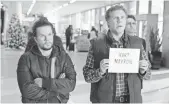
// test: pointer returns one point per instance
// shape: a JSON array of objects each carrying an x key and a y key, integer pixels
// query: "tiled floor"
[{"x": 9, "y": 86}]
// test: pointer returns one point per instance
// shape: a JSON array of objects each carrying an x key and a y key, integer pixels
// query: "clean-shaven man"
[{"x": 114, "y": 87}]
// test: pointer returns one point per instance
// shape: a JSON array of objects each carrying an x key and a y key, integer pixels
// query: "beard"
[{"x": 45, "y": 47}]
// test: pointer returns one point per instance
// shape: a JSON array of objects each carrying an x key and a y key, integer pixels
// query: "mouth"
[
  {"x": 120, "y": 25},
  {"x": 48, "y": 43}
]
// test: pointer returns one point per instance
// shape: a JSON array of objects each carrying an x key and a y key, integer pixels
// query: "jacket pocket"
[
  {"x": 106, "y": 83},
  {"x": 63, "y": 98}
]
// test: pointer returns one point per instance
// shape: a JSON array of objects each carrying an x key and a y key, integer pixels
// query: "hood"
[{"x": 55, "y": 51}]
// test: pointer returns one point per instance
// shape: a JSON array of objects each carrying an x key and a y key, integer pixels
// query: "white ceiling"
[
  {"x": 45, "y": 6},
  {"x": 79, "y": 6}
]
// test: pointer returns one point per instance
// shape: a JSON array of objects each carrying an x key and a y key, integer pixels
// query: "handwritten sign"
[{"x": 124, "y": 60}]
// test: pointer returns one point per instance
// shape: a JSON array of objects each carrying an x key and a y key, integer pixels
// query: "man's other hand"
[
  {"x": 38, "y": 81},
  {"x": 62, "y": 75},
  {"x": 143, "y": 65},
  {"x": 104, "y": 65}
]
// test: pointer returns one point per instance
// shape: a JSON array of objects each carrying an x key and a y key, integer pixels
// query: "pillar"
[
  {"x": 165, "y": 44},
  {"x": 19, "y": 10}
]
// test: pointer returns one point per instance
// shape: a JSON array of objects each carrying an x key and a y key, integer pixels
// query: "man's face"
[
  {"x": 117, "y": 21},
  {"x": 131, "y": 26},
  {"x": 44, "y": 37}
]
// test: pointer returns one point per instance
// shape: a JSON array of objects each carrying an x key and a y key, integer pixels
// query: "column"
[
  {"x": 19, "y": 10},
  {"x": 149, "y": 7},
  {"x": 165, "y": 47},
  {"x": 137, "y": 13}
]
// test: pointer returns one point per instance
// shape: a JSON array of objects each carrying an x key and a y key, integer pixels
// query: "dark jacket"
[
  {"x": 69, "y": 33},
  {"x": 33, "y": 65},
  {"x": 103, "y": 91},
  {"x": 31, "y": 42},
  {"x": 144, "y": 43}
]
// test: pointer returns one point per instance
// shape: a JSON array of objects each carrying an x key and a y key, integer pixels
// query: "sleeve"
[
  {"x": 91, "y": 75},
  {"x": 144, "y": 44},
  {"x": 147, "y": 74},
  {"x": 28, "y": 88},
  {"x": 63, "y": 85}
]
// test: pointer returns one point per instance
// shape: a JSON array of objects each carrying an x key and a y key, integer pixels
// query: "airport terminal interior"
[{"x": 18, "y": 17}]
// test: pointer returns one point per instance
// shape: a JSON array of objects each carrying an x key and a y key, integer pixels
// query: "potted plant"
[{"x": 155, "y": 44}]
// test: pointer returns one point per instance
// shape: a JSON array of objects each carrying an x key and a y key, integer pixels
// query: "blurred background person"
[
  {"x": 69, "y": 33},
  {"x": 3, "y": 23},
  {"x": 93, "y": 33},
  {"x": 131, "y": 28}
]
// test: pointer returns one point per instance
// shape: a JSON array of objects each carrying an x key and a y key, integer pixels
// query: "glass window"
[
  {"x": 78, "y": 21},
  {"x": 97, "y": 17},
  {"x": 143, "y": 6},
  {"x": 93, "y": 17},
  {"x": 89, "y": 16},
  {"x": 103, "y": 11},
  {"x": 85, "y": 17},
  {"x": 157, "y": 8},
  {"x": 160, "y": 27},
  {"x": 132, "y": 7}
]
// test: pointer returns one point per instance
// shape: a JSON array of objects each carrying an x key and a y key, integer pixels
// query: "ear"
[
  {"x": 107, "y": 24},
  {"x": 35, "y": 39}
]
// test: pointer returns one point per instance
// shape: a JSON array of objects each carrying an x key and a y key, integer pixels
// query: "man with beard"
[
  {"x": 31, "y": 41},
  {"x": 45, "y": 73}
]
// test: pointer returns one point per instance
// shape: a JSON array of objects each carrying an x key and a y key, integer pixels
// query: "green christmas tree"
[{"x": 15, "y": 32}]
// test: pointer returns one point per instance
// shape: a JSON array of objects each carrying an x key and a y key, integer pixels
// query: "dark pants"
[{"x": 67, "y": 42}]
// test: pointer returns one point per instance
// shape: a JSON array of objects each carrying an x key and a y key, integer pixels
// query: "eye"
[
  {"x": 41, "y": 35},
  {"x": 50, "y": 34},
  {"x": 128, "y": 23},
  {"x": 134, "y": 23},
  {"x": 114, "y": 18}
]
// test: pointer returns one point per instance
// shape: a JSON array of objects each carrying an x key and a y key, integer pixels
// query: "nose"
[
  {"x": 119, "y": 19},
  {"x": 132, "y": 25},
  {"x": 46, "y": 38}
]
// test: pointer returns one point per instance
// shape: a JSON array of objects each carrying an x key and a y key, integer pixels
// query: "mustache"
[
  {"x": 46, "y": 49},
  {"x": 48, "y": 42}
]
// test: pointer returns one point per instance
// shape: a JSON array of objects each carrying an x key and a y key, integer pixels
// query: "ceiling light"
[
  {"x": 60, "y": 7},
  {"x": 64, "y": 5},
  {"x": 30, "y": 9},
  {"x": 72, "y": 1}
]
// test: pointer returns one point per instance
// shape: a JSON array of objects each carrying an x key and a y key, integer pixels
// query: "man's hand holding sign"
[
  {"x": 124, "y": 61},
  {"x": 104, "y": 65}
]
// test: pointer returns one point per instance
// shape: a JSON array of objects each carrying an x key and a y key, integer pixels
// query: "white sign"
[{"x": 123, "y": 60}]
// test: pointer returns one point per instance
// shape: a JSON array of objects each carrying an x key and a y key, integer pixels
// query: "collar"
[
  {"x": 111, "y": 40},
  {"x": 55, "y": 51}
]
